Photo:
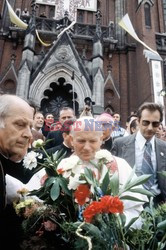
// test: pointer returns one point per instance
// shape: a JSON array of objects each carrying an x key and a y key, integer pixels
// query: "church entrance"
[{"x": 59, "y": 95}]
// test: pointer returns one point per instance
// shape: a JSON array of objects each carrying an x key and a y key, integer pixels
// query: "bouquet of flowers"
[{"x": 81, "y": 205}]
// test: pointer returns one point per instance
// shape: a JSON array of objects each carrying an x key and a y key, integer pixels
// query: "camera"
[{"x": 88, "y": 101}]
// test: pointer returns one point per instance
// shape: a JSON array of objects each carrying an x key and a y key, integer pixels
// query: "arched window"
[
  {"x": 108, "y": 97},
  {"x": 147, "y": 15},
  {"x": 9, "y": 87}
]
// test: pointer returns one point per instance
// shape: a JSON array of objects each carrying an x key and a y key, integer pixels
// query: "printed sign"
[{"x": 157, "y": 83}]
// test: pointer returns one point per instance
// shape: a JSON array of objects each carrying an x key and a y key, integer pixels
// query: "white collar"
[{"x": 141, "y": 140}]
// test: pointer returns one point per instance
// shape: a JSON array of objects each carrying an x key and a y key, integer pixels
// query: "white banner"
[
  {"x": 47, "y": 2},
  {"x": 157, "y": 83},
  {"x": 90, "y": 5},
  {"x": 71, "y": 6}
]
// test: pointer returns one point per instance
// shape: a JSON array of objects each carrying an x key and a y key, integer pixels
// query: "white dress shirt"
[{"x": 139, "y": 151}]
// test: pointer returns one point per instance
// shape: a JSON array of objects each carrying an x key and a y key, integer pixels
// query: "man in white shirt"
[
  {"x": 118, "y": 130},
  {"x": 131, "y": 148}
]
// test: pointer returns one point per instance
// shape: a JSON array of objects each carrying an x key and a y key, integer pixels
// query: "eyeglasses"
[{"x": 154, "y": 124}]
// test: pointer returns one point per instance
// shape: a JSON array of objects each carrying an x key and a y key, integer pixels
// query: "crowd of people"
[{"x": 21, "y": 125}]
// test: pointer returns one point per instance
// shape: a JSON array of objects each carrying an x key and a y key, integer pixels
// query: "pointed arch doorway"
[{"x": 60, "y": 94}]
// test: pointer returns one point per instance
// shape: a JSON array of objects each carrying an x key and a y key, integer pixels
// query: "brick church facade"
[{"x": 94, "y": 58}]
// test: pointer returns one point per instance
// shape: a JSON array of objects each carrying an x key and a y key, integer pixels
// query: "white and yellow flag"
[
  {"x": 126, "y": 24},
  {"x": 17, "y": 21}
]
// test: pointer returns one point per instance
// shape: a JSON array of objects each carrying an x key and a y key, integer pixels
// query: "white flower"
[
  {"x": 38, "y": 143},
  {"x": 74, "y": 182},
  {"x": 68, "y": 163},
  {"x": 103, "y": 153},
  {"x": 78, "y": 169},
  {"x": 39, "y": 156},
  {"x": 66, "y": 174},
  {"x": 30, "y": 160}
]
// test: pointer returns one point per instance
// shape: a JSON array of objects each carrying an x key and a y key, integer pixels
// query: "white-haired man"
[
  {"x": 16, "y": 119},
  {"x": 86, "y": 137}
]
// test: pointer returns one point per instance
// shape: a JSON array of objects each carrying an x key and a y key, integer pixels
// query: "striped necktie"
[{"x": 147, "y": 166}]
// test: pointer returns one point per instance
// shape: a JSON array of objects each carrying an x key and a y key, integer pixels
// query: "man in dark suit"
[
  {"x": 107, "y": 123},
  {"x": 54, "y": 137},
  {"x": 131, "y": 148},
  {"x": 65, "y": 147},
  {"x": 16, "y": 119}
]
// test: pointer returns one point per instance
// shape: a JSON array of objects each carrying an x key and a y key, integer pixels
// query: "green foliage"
[
  {"x": 108, "y": 229},
  {"x": 152, "y": 234}
]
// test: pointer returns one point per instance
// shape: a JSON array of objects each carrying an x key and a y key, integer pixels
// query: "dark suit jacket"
[
  {"x": 14, "y": 169},
  {"x": 124, "y": 147},
  {"x": 55, "y": 138},
  {"x": 107, "y": 144},
  {"x": 9, "y": 221},
  {"x": 64, "y": 150}
]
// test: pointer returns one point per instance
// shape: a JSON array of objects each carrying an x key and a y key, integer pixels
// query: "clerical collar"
[
  {"x": 65, "y": 145},
  {"x": 106, "y": 140}
]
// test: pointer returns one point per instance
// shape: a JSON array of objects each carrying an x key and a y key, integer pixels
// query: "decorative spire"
[
  {"x": 66, "y": 19},
  {"x": 98, "y": 25},
  {"x": 32, "y": 22},
  {"x": 34, "y": 6},
  {"x": 111, "y": 29}
]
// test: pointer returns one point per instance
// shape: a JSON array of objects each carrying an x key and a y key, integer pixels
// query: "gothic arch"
[
  {"x": 59, "y": 95},
  {"x": 51, "y": 75},
  {"x": 8, "y": 87}
]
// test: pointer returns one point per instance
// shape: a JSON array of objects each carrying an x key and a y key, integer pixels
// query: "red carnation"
[
  {"x": 93, "y": 209},
  {"x": 111, "y": 204},
  {"x": 81, "y": 194}
]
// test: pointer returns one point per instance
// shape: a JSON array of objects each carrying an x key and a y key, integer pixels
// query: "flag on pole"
[
  {"x": 126, "y": 24},
  {"x": 17, "y": 21},
  {"x": 14, "y": 18}
]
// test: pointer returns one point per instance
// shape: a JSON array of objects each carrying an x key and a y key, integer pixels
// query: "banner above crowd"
[{"x": 71, "y": 6}]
